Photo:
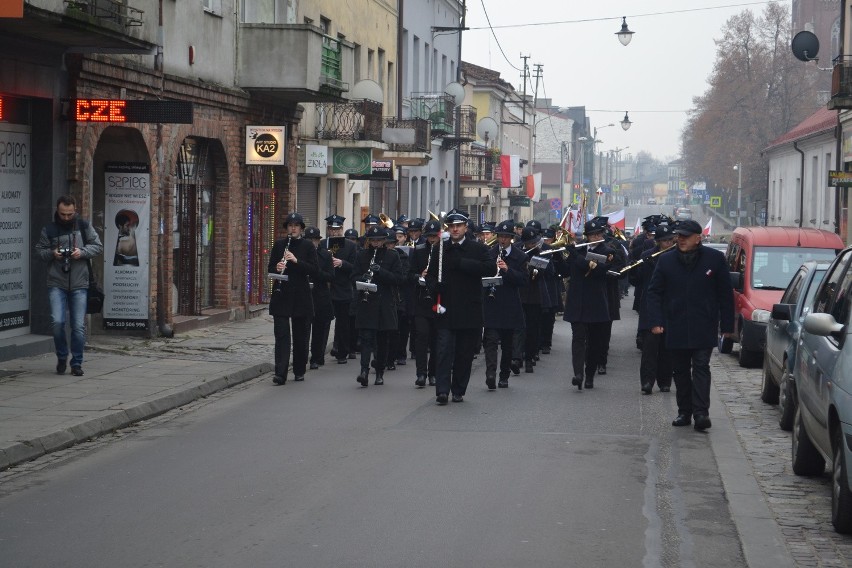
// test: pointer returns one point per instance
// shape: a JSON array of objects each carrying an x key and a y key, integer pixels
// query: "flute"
[{"x": 280, "y": 276}]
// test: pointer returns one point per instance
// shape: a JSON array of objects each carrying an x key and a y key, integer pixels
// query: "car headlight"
[{"x": 760, "y": 316}]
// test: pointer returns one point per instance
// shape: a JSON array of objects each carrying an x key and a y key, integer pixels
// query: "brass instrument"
[
  {"x": 563, "y": 240},
  {"x": 367, "y": 287},
  {"x": 280, "y": 276},
  {"x": 433, "y": 217},
  {"x": 618, "y": 273},
  {"x": 490, "y": 242},
  {"x": 386, "y": 221}
]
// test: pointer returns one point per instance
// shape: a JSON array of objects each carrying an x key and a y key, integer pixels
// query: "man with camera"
[{"x": 67, "y": 244}]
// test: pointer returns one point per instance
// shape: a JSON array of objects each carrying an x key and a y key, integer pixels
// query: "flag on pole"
[
  {"x": 708, "y": 228},
  {"x": 534, "y": 187},
  {"x": 616, "y": 219},
  {"x": 638, "y": 226},
  {"x": 510, "y": 167}
]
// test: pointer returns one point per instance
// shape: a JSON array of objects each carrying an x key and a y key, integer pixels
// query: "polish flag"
[
  {"x": 616, "y": 219},
  {"x": 576, "y": 222},
  {"x": 708, "y": 228},
  {"x": 638, "y": 226},
  {"x": 510, "y": 167},
  {"x": 534, "y": 187}
]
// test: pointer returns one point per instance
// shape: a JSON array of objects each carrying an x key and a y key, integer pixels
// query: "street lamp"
[
  {"x": 625, "y": 122},
  {"x": 739, "y": 169},
  {"x": 624, "y": 34}
]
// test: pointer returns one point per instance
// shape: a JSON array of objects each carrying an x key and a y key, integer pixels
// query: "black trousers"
[
  {"x": 548, "y": 320},
  {"x": 399, "y": 339},
  {"x": 374, "y": 342},
  {"x": 587, "y": 343},
  {"x": 425, "y": 338},
  {"x": 605, "y": 353},
  {"x": 455, "y": 349},
  {"x": 501, "y": 338},
  {"x": 342, "y": 333},
  {"x": 691, "y": 369},
  {"x": 656, "y": 365},
  {"x": 354, "y": 337},
  {"x": 319, "y": 340},
  {"x": 283, "y": 338},
  {"x": 532, "y": 317},
  {"x": 518, "y": 339}
]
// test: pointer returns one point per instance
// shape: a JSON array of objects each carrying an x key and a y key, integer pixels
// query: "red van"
[{"x": 762, "y": 261}]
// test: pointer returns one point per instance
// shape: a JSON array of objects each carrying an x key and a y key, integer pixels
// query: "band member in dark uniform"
[
  {"x": 295, "y": 258},
  {"x": 504, "y": 312},
  {"x": 376, "y": 311},
  {"x": 586, "y": 306},
  {"x": 425, "y": 330},
  {"x": 343, "y": 252},
  {"x": 321, "y": 296},
  {"x": 398, "y": 338},
  {"x": 618, "y": 260},
  {"x": 455, "y": 278},
  {"x": 531, "y": 298},
  {"x": 354, "y": 345}
]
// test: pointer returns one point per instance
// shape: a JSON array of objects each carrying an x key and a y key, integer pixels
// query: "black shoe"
[
  {"x": 528, "y": 367},
  {"x": 390, "y": 367},
  {"x": 431, "y": 381},
  {"x": 458, "y": 398},
  {"x": 401, "y": 362},
  {"x": 420, "y": 382},
  {"x": 362, "y": 378},
  {"x": 577, "y": 382},
  {"x": 342, "y": 361},
  {"x": 545, "y": 350},
  {"x": 535, "y": 359},
  {"x": 279, "y": 380},
  {"x": 602, "y": 369},
  {"x": 682, "y": 420},
  {"x": 665, "y": 389},
  {"x": 589, "y": 384},
  {"x": 61, "y": 365},
  {"x": 299, "y": 378},
  {"x": 77, "y": 371},
  {"x": 351, "y": 355},
  {"x": 441, "y": 399},
  {"x": 647, "y": 388},
  {"x": 491, "y": 383},
  {"x": 380, "y": 380},
  {"x": 515, "y": 366},
  {"x": 503, "y": 383},
  {"x": 702, "y": 422},
  {"x": 314, "y": 366},
  {"x": 333, "y": 352}
]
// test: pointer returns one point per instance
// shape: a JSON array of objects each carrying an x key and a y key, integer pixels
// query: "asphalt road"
[{"x": 324, "y": 473}]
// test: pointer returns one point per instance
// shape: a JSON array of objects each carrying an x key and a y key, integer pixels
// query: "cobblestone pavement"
[{"x": 801, "y": 505}]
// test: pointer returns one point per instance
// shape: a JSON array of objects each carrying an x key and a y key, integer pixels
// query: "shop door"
[
  {"x": 193, "y": 239},
  {"x": 307, "y": 199},
  {"x": 261, "y": 230}
]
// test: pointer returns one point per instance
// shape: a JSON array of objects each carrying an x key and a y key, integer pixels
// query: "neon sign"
[{"x": 139, "y": 111}]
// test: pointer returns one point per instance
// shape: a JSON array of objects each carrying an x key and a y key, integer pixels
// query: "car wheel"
[
  {"x": 841, "y": 497},
  {"x": 786, "y": 400},
  {"x": 726, "y": 344},
  {"x": 748, "y": 358},
  {"x": 806, "y": 459},
  {"x": 769, "y": 390}
]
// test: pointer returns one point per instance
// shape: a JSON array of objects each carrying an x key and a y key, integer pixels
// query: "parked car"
[
  {"x": 652, "y": 201},
  {"x": 762, "y": 261},
  {"x": 683, "y": 214},
  {"x": 782, "y": 340},
  {"x": 822, "y": 427}
]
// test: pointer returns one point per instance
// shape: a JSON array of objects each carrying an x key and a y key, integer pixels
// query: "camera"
[{"x": 66, "y": 258}]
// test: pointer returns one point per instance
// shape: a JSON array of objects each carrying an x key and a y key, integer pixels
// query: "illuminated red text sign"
[{"x": 118, "y": 110}]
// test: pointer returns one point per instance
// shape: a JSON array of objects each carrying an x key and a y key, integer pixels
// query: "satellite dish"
[
  {"x": 456, "y": 91},
  {"x": 367, "y": 89},
  {"x": 487, "y": 128},
  {"x": 805, "y": 46}
]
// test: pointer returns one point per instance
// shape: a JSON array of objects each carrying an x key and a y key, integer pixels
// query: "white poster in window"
[{"x": 14, "y": 230}]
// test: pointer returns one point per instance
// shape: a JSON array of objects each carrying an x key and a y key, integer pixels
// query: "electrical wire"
[{"x": 498, "y": 41}]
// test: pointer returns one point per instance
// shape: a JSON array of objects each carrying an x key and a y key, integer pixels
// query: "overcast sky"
[{"x": 654, "y": 78}]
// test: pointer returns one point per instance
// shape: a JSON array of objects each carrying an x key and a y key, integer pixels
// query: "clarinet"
[
  {"x": 493, "y": 289},
  {"x": 365, "y": 294},
  {"x": 422, "y": 281},
  {"x": 280, "y": 276}
]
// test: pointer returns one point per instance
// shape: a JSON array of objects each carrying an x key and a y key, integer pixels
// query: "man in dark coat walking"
[
  {"x": 343, "y": 252},
  {"x": 691, "y": 299},
  {"x": 504, "y": 312},
  {"x": 291, "y": 303},
  {"x": 425, "y": 331},
  {"x": 455, "y": 276},
  {"x": 321, "y": 295}
]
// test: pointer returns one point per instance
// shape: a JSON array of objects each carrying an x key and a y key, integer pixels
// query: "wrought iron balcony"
[
  {"x": 437, "y": 108},
  {"x": 352, "y": 120},
  {"x": 465, "y": 130},
  {"x": 841, "y": 83},
  {"x": 100, "y": 11},
  {"x": 407, "y": 134},
  {"x": 476, "y": 168}
]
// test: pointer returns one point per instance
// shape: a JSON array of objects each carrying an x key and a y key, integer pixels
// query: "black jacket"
[
  {"x": 424, "y": 300},
  {"x": 341, "y": 286},
  {"x": 586, "y": 300},
  {"x": 460, "y": 288},
  {"x": 293, "y": 297},
  {"x": 504, "y": 310},
  {"x": 377, "y": 310},
  {"x": 321, "y": 292}
]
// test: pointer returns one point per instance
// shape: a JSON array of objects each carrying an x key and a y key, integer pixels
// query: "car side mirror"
[
  {"x": 782, "y": 312},
  {"x": 822, "y": 324},
  {"x": 737, "y": 281}
]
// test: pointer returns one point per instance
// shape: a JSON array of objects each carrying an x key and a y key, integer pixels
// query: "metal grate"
[
  {"x": 194, "y": 208},
  {"x": 118, "y": 11},
  {"x": 261, "y": 232},
  {"x": 353, "y": 120}
]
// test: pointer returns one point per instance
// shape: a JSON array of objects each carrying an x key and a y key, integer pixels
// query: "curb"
[{"x": 28, "y": 450}]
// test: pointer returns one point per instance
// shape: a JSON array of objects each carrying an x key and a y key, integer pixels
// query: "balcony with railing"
[
  {"x": 465, "y": 128},
  {"x": 437, "y": 108},
  {"x": 299, "y": 63},
  {"x": 349, "y": 121},
  {"x": 477, "y": 168},
  {"x": 841, "y": 83},
  {"x": 406, "y": 134},
  {"x": 114, "y": 26}
]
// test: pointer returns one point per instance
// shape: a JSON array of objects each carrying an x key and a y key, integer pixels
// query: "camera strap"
[{"x": 52, "y": 231}]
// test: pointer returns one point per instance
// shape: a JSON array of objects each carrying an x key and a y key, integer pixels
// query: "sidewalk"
[{"x": 127, "y": 380}]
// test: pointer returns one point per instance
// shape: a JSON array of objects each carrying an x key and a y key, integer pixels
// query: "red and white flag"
[
  {"x": 708, "y": 228},
  {"x": 616, "y": 219},
  {"x": 638, "y": 226},
  {"x": 510, "y": 168},
  {"x": 534, "y": 187}
]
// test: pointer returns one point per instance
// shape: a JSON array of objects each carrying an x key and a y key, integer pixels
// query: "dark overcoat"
[
  {"x": 321, "y": 292},
  {"x": 461, "y": 286},
  {"x": 643, "y": 278},
  {"x": 341, "y": 286},
  {"x": 379, "y": 311},
  {"x": 613, "y": 291},
  {"x": 586, "y": 299},
  {"x": 504, "y": 310},
  {"x": 424, "y": 300},
  {"x": 692, "y": 303},
  {"x": 293, "y": 298}
]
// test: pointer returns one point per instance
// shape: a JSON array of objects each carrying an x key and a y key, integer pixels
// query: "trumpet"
[{"x": 280, "y": 276}]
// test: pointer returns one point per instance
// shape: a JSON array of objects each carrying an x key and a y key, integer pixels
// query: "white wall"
[{"x": 785, "y": 179}]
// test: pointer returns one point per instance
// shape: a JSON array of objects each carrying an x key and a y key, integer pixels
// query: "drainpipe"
[
  {"x": 399, "y": 98},
  {"x": 801, "y": 185},
  {"x": 163, "y": 326}
]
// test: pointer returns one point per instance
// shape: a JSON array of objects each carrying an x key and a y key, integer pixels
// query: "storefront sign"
[
  {"x": 15, "y": 164},
  {"x": 265, "y": 145},
  {"x": 839, "y": 179},
  {"x": 119, "y": 110},
  {"x": 356, "y": 161},
  {"x": 382, "y": 171},
  {"x": 846, "y": 150},
  {"x": 518, "y": 201},
  {"x": 312, "y": 160},
  {"x": 127, "y": 211}
]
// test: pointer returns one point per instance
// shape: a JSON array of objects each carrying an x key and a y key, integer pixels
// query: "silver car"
[{"x": 822, "y": 427}]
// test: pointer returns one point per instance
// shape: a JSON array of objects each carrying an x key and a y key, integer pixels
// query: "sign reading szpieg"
[{"x": 265, "y": 145}]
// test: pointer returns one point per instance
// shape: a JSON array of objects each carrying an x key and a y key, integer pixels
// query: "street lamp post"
[{"x": 739, "y": 168}]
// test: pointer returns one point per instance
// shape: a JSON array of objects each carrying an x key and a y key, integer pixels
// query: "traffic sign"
[
  {"x": 556, "y": 204},
  {"x": 715, "y": 202}
]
